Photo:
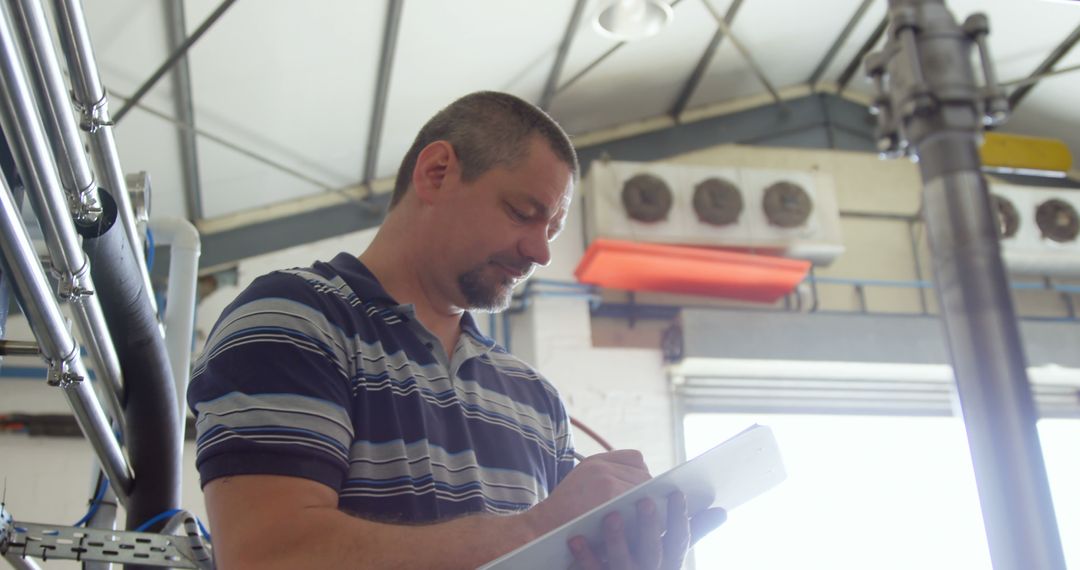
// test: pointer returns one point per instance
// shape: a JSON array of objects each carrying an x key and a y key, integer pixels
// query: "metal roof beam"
[
  {"x": 1047, "y": 65},
  {"x": 178, "y": 53},
  {"x": 1033, "y": 79},
  {"x": 702, "y": 66},
  {"x": 801, "y": 123},
  {"x": 856, "y": 62},
  {"x": 394, "y": 9},
  {"x": 840, "y": 41},
  {"x": 185, "y": 110},
  {"x": 560, "y": 58},
  {"x": 270, "y": 162},
  {"x": 745, "y": 52}
]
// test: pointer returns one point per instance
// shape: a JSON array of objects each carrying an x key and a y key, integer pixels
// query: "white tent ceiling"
[{"x": 295, "y": 82}]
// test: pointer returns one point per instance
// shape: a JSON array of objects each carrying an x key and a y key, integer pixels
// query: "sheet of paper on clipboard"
[{"x": 726, "y": 476}]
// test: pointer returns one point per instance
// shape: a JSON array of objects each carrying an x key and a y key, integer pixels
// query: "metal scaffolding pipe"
[
  {"x": 19, "y": 348},
  {"x": 57, "y": 114},
  {"x": 19, "y": 562},
  {"x": 933, "y": 109},
  {"x": 58, "y": 347},
  {"x": 90, "y": 97},
  {"x": 27, "y": 140}
]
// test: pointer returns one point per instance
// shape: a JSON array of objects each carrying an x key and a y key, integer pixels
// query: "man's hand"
[
  {"x": 645, "y": 543},
  {"x": 650, "y": 545},
  {"x": 593, "y": 482}
]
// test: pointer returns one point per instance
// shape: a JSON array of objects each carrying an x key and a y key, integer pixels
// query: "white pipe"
[{"x": 184, "y": 249}]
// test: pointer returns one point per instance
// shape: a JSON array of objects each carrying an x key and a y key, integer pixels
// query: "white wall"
[{"x": 621, "y": 393}]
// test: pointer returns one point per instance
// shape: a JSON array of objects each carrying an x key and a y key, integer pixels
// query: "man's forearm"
[{"x": 328, "y": 538}]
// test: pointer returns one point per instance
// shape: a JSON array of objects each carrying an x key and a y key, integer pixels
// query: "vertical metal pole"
[
  {"x": 394, "y": 10},
  {"x": 560, "y": 57},
  {"x": 933, "y": 96},
  {"x": 185, "y": 111}
]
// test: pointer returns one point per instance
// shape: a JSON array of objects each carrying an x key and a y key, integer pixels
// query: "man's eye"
[{"x": 517, "y": 214}]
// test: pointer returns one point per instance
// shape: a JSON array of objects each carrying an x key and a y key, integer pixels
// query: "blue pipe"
[
  {"x": 628, "y": 310},
  {"x": 1017, "y": 285}
]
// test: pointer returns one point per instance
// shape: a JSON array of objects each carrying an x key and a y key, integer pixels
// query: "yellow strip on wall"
[{"x": 1015, "y": 151}]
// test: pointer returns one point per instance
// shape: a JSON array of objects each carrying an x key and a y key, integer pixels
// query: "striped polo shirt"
[{"x": 318, "y": 373}]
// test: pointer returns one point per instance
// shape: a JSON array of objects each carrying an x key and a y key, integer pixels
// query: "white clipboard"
[{"x": 726, "y": 476}]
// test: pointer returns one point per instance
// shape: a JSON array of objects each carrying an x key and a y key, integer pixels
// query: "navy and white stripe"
[{"x": 318, "y": 373}]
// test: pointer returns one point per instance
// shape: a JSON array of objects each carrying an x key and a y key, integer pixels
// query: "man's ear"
[{"x": 435, "y": 165}]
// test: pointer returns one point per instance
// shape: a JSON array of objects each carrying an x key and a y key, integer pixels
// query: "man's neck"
[{"x": 399, "y": 277}]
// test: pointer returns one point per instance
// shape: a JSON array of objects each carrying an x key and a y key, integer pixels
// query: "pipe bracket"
[
  {"x": 62, "y": 375},
  {"x": 93, "y": 116}
]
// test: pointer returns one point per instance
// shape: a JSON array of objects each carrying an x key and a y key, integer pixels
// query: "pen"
[{"x": 578, "y": 456}]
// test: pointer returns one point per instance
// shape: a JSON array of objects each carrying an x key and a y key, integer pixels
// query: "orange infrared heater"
[{"x": 635, "y": 266}]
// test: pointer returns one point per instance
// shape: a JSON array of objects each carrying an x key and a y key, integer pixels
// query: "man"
[{"x": 350, "y": 414}]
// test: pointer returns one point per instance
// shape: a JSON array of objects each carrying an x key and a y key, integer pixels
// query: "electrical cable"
[
  {"x": 156, "y": 518},
  {"x": 96, "y": 501},
  {"x": 149, "y": 250},
  {"x": 589, "y": 432},
  {"x": 162, "y": 516}
]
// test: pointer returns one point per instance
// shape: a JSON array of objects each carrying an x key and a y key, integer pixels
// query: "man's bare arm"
[{"x": 269, "y": 522}]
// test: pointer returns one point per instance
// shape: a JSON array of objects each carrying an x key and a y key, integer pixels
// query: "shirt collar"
[{"x": 367, "y": 287}]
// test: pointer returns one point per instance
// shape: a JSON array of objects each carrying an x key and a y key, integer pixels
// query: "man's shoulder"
[
  {"x": 523, "y": 373},
  {"x": 318, "y": 286}
]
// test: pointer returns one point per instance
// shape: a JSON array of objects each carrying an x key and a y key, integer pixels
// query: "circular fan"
[
  {"x": 717, "y": 202},
  {"x": 787, "y": 205},
  {"x": 1008, "y": 217},
  {"x": 1057, "y": 220},
  {"x": 646, "y": 198}
]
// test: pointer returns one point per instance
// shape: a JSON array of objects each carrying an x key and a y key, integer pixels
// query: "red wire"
[{"x": 589, "y": 432}]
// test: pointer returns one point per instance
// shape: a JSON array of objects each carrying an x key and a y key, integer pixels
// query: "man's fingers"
[
  {"x": 677, "y": 538},
  {"x": 618, "y": 553},
  {"x": 705, "y": 522},
  {"x": 584, "y": 557},
  {"x": 627, "y": 474},
  {"x": 648, "y": 546},
  {"x": 629, "y": 457}
]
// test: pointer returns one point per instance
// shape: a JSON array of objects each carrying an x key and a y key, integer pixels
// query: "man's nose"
[{"x": 536, "y": 248}]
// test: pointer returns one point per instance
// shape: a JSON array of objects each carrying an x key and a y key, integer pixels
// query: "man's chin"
[
  {"x": 486, "y": 299},
  {"x": 495, "y": 303}
]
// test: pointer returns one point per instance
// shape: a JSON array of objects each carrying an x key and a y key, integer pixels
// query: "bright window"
[{"x": 882, "y": 492}]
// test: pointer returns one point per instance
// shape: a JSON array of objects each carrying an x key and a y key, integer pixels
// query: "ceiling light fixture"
[{"x": 630, "y": 20}]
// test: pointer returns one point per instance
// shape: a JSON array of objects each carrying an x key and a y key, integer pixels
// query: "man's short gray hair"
[{"x": 487, "y": 129}]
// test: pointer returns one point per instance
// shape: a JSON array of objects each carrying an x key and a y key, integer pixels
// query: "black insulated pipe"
[{"x": 153, "y": 435}]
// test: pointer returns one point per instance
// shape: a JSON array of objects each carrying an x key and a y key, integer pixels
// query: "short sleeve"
[
  {"x": 564, "y": 443},
  {"x": 271, "y": 391}
]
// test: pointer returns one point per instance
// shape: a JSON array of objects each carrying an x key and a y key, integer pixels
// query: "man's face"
[{"x": 501, "y": 226}]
